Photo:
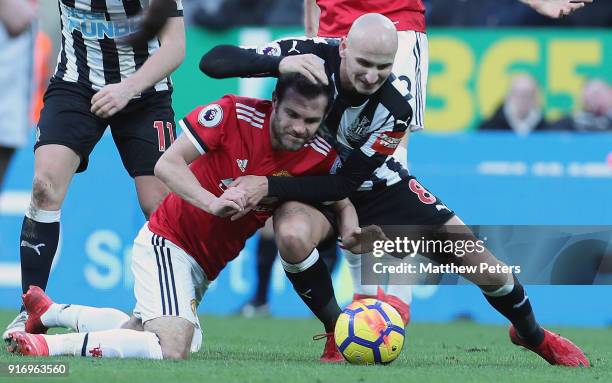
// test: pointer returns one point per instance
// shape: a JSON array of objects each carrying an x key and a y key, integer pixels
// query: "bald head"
[
  {"x": 368, "y": 53},
  {"x": 523, "y": 83},
  {"x": 523, "y": 96},
  {"x": 374, "y": 31},
  {"x": 597, "y": 97}
]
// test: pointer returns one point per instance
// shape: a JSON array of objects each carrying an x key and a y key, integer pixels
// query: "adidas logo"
[{"x": 242, "y": 164}]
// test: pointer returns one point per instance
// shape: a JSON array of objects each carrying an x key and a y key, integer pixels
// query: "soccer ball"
[{"x": 369, "y": 331}]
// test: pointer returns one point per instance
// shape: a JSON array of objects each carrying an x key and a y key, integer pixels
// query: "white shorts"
[
  {"x": 411, "y": 66},
  {"x": 16, "y": 74},
  {"x": 167, "y": 281}
]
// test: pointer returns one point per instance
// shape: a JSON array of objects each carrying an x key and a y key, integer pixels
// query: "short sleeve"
[
  {"x": 205, "y": 126},
  {"x": 391, "y": 121},
  {"x": 178, "y": 11},
  {"x": 386, "y": 137},
  {"x": 382, "y": 143}
]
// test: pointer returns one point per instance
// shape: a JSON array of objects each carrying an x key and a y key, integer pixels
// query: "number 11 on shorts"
[{"x": 161, "y": 137}]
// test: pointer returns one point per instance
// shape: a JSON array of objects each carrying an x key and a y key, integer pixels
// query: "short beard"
[{"x": 274, "y": 134}]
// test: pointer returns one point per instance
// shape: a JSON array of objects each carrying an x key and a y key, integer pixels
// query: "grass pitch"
[{"x": 281, "y": 350}]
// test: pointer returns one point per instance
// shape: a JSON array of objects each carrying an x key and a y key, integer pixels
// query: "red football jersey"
[
  {"x": 233, "y": 134},
  {"x": 337, "y": 16}
]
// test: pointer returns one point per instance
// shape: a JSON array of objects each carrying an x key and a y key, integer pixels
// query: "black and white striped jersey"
[
  {"x": 374, "y": 125},
  {"x": 91, "y": 53}
]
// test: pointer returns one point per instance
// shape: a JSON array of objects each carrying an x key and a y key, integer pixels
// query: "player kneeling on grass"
[{"x": 192, "y": 235}]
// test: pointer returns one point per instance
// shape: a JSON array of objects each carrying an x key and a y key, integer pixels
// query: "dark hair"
[{"x": 303, "y": 87}]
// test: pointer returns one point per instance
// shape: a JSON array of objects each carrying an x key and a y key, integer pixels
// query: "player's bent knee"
[
  {"x": 294, "y": 232},
  {"x": 175, "y": 335},
  {"x": 44, "y": 195},
  {"x": 299, "y": 228},
  {"x": 174, "y": 353},
  {"x": 176, "y": 349},
  {"x": 293, "y": 240}
]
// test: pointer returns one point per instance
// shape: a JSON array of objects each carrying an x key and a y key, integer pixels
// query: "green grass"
[{"x": 275, "y": 350}]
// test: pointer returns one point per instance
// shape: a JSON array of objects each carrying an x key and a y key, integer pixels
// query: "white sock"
[
  {"x": 83, "y": 318},
  {"x": 354, "y": 263},
  {"x": 295, "y": 268},
  {"x": 118, "y": 343},
  {"x": 403, "y": 292},
  {"x": 43, "y": 216},
  {"x": 504, "y": 290},
  {"x": 395, "y": 283}
]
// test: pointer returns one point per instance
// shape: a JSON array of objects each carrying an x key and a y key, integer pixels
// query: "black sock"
[
  {"x": 266, "y": 254},
  {"x": 38, "y": 243},
  {"x": 314, "y": 286},
  {"x": 516, "y": 307}
]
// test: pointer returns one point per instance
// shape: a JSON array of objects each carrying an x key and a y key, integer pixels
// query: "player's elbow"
[
  {"x": 181, "y": 52},
  {"x": 161, "y": 168},
  {"x": 212, "y": 62},
  {"x": 180, "y": 57},
  {"x": 175, "y": 56},
  {"x": 157, "y": 170}
]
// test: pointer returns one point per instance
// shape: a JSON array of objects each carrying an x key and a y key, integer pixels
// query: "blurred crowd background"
[{"x": 523, "y": 108}]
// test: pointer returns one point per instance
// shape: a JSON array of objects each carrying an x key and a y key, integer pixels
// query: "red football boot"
[
  {"x": 36, "y": 303},
  {"x": 28, "y": 344},
  {"x": 18, "y": 324},
  {"x": 330, "y": 352},
  {"x": 555, "y": 349},
  {"x": 400, "y": 306}
]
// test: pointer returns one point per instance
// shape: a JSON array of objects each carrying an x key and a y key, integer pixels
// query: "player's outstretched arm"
[
  {"x": 173, "y": 170},
  {"x": 293, "y": 55},
  {"x": 556, "y": 8},
  {"x": 114, "y": 97},
  {"x": 224, "y": 61}
]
